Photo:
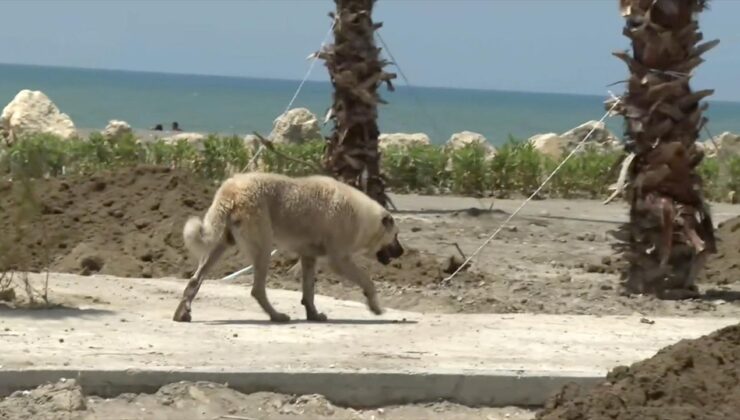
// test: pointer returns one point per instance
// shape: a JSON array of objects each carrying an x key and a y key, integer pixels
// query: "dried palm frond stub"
[
  {"x": 356, "y": 72},
  {"x": 670, "y": 230}
]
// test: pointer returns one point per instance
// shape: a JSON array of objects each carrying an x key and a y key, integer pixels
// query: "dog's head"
[{"x": 390, "y": 247}]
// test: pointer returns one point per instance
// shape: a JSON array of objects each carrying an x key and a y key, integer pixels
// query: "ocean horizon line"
[
  {"x": 397, "y": 85},
  {"x": 239, "y": 105}
]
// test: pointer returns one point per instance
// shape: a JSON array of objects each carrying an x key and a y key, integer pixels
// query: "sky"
[{"x": 560, "y": 46}]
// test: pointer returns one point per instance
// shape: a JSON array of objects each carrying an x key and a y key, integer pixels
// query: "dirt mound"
[
  {"x": 724, "y": 267},
  {"x": 129, "y": 223},
  {"x": 126, "y": 222},
  {"x": 693, "y": 379}
]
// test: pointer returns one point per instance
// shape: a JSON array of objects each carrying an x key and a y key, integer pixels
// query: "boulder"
[
  {"x": 600, "y": 135},
  {"x": 195, "y": 139},
  {"x": 549, "y": 144},
  {"x": 403, "y": 140},
  {"x": 116, "y": 129},
  {"x": 295, "y": 126},
  {"x": 32, "y": 112},
  {"x": 465, "y": 138},
  {"x": 728, "y": 144},
  {"x": 556, "y": 145}
]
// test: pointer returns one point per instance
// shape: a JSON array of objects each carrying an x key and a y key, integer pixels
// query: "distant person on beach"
[
  {"x": 176, "y": 126},
  {"x": 158, "y": 127}
]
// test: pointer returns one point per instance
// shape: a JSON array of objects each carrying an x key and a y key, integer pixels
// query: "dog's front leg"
[
  {"x": 344, "y": 266},
  {"x": 308, "y": 272},
  {"x": 183, "y": 313},
  {"x": 259, "y": 291}
]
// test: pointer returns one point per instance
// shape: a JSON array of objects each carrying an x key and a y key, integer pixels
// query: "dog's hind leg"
[
  {"x": 183, "y": 313},
  {"x": 308, "y": 271},
  {"x": 344, "y": 266}
]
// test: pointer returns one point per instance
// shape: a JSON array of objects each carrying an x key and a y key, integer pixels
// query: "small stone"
[
  {"x": 564, "y": 278},
  {"x": 594, "y": 268},
  {"x": 141, "y": 223}
]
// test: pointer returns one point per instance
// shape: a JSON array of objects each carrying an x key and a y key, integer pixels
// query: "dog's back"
[{"x": 316, "y": 209}]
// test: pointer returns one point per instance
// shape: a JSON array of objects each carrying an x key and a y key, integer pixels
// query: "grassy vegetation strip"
[{"x": 516, "y": 169}]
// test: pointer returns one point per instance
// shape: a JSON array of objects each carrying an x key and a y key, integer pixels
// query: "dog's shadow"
[{"x": 303, "y": 321}]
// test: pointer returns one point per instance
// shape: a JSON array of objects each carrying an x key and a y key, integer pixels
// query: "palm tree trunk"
[
  {"x": 356, "y": 72},
  {"x": 670, "y": 231}
]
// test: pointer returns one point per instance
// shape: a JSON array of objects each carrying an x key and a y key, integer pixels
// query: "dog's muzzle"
[{"x": 389, "y": 252}]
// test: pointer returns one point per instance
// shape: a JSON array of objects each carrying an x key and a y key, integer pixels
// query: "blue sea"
[{"x": 233, "y": 105}]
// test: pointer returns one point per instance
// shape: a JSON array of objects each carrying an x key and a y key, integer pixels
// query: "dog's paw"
[
  {"x": 279, "y": 317},
  {"x": 316, "y": 317},
  {"x": 373, "y": 305},
  {"x": 182, "y": 317},
  {"x": 375, "y": 308},
  {"x": 182, "y": 314}
]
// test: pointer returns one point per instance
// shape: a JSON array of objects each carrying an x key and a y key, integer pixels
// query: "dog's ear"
[{"x": 388, "y": 221}]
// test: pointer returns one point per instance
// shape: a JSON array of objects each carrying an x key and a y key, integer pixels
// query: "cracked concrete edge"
[{"x": 353, "y": 389}]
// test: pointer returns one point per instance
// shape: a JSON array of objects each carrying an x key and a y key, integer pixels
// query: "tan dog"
[{"x": 313, "y": 217}]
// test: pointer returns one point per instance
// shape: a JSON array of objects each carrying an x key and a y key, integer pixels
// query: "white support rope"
[
  {"x": 314, "y": 57},
  {"x": 245, "y": 270},
  {"x": 534, "y": 194}
]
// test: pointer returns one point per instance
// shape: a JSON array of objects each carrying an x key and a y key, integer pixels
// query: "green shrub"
[
  {"x": 585, "y": 173},
  {"x": 416, "y": 168},
  {"x": 469, "y": 172},
  {"x": 709, "y": 172},
  {"x": 516, "y": 168},
  {"x": 310, "y": 152},
  {"x": 36, "y": 156},
  {"x": 221, "y": 156}
]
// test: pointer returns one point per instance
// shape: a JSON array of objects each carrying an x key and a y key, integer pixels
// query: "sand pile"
[
  {"x": 129, "y": 223},
  {"x": 693, "y": 379}
]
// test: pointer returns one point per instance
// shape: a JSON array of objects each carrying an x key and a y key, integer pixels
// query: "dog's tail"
[{"x": 201, "y": 236}]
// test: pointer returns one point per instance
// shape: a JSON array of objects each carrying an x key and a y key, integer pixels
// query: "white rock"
[
  {"x": 549, "y": 144},
  {"x": 386, "y": 140},
  {"x": 195, "y": 139},
  {"x": 464, "y": 138},
  {"x": 116, "y": 129},
  {"x": 599, "y": 135},
  {"x": 727, "y": 144},
  {"x": 32, "y": 112},
  {"x": 295, "y": 126},
  {"x": 556, "y": 145}
]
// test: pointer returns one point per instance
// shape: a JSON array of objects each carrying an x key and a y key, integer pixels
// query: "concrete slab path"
[{"x": 116, "y": 335}]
